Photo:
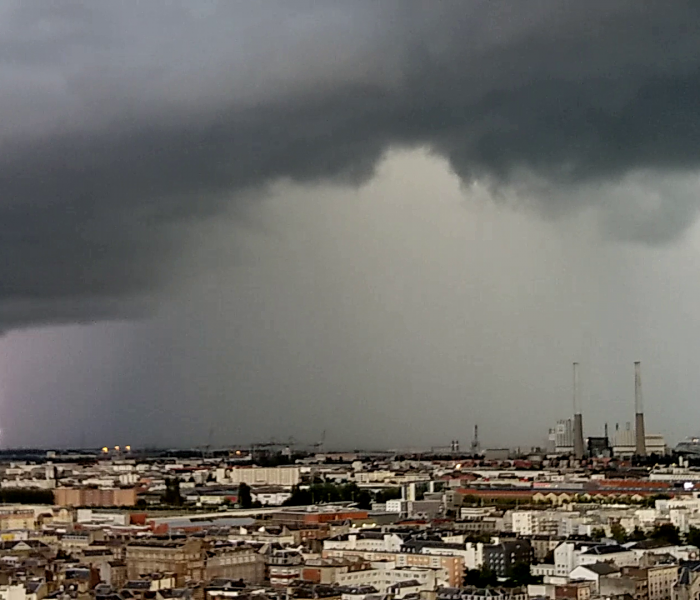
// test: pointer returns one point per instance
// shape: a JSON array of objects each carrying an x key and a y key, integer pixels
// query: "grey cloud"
[{"x": 120, "y": 124}]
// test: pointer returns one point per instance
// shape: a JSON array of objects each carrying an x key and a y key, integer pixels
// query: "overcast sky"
[{"x": 226, "y": 221}]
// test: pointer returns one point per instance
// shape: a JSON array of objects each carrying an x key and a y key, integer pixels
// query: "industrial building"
[{"x": 567, "y": 437}]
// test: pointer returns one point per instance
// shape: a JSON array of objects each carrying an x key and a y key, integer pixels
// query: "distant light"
[
  {"x": 459, "y": 466},
  {"x": 688, "y": 485},
  {"x": 116, "y": 448},
  {"x": 127, "y": 448},
  {"x": 105, "y": 449},
  {"x": 238, "y": 452}
]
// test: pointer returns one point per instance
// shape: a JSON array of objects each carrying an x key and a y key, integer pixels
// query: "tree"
[
  {"x": 364, "y": 500},
  {"x": 693, "y": 537},
  {"x": 388, "y": 494},
  {"x": 480, "y": 578},
  {"x": 19, "y": 496},
  {"x": 172, "y": 494},
  {"x": 520, "y": 574},
  {"x": 637, "y": 535},
  {"x": 244, "y": 498},
  {"x": 667, "y": 533},
  {"x": 618, "y": 533},
  {"x": 650, "y": 501},
  {"x": 319, "y": 493},
  {"x": 298, "y": 497},
  {"x": 598, "y": 533}
]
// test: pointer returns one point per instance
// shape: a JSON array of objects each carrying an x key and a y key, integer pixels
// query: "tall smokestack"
[
  {"x": 578, "y": 419},
  {"x": 639, "y": 433}
]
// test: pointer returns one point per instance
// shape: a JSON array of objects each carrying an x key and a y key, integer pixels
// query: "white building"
[
  {"x": 286, "y": 476},
  {"x": 382, "y": 577},
  {"x": 594, "y": 572},
  {"x": 269, "y": 498},
  {"x": 524, "y": 522},
  {"x": 396, "y": 506},
  {"x": 564, "y": 437},
  {"x": 624, "y": 443},
  {"x": 611, "y": 553},
  {"x": 371, "y": 541},
  {"x": 13, "y": 592},
  {"x": 570, "y": 555},
  {"x": 472, "y": 554}
]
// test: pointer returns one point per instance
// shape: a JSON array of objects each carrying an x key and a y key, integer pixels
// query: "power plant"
[
  {"x": 567, "y": 436},
  {"x": 578, "y": 419},
  {"x": 640, "y": 446}
]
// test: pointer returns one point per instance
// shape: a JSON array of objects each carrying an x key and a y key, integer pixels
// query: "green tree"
[
  {"x": 693, "y": 537},
  {"x": 650, "y": 501},
  {"x": 520, "y": 574},
  {"x": 618, "y": 533},
  {"x": 19, "y": 496},
  {"x": 244, "y": 498},
  {"x": 319, "y": 493},
  {"x": 667, "y": 533},
  {"x": 364, "y": 500},
  {"x": 480, "y": 578},
  {"x": 299, "y": 497},
  {"x": 598, "y": 533},
  {"x": 172, "y": 495},
  {"x": 388, "y": 494},
  {"x": 637, "y": 535}
]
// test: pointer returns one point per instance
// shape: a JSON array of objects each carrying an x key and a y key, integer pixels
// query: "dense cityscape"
[{"x": 271, "y": 520}]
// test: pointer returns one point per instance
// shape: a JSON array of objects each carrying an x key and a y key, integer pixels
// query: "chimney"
[
  {"x": 640, "y": 446},
  {"x": 578, "y": 419}
]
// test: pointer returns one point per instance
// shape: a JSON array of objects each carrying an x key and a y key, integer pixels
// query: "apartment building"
[
  {"x": 17, "y": 519},
  {"x": 688, "y": 585},
  {"x": 482, "y": 594},
  {"x": 502, "y": 558},
  {"x": 536, "y": 522},
  {"x": 326, "y": 570},
  {"x": 450, "y": 567},
  {"x": 67, "y": 496},
  {"x": 235, "y": 562},
  {"x": 287, "y": 476},
  {"x": 184, "y": 557},
  {"x": 661, "y": 580},
  {"x": 383, "y": 577},
  {"x": 284, "y": 567}
]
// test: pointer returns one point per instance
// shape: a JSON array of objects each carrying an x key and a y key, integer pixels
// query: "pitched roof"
[{"x": 601, "y": 568}]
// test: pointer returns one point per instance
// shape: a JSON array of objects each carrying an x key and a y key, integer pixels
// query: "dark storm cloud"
[{"x": 120, "y": 123}]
